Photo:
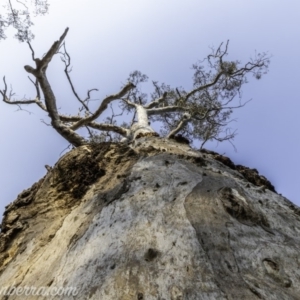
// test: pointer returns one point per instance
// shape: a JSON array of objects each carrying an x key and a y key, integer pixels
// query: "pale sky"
[{"x": 109, "y": 39}]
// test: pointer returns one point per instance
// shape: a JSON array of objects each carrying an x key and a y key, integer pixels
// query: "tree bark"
[
  {"x": 142, "y": 127},
  {"x": 160, "y": 221}
]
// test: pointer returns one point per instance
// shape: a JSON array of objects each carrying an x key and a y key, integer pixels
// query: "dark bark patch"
[
  {"x": 179, "y": 138},
  {"x": 276, "y": 272},
  {"x": 151, "y": 254},
  {"x": 200, "y": 161},
  {"x": 50, "y": 282},
  {"x": 271, "y": 265},
  {"x": 146, "y": 134},
  {"x": 78, "y": 174},
  {"x": 221, "y": 158},
  {"x": 251, "y": 175},
  {"x": 241, "y": 210},
  {"x": 255, "y": 292},
  {"x": 8, "y": 236}
]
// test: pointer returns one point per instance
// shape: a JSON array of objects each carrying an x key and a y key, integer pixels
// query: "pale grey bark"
[
  {"x": 165, "y": 109},
  {"x": 185, "y": 119},
  {"x": 162, "y": 222},
  {"x": 142, "y": 126}
]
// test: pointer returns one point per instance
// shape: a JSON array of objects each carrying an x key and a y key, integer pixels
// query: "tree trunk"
[
  {"x": 142, "y": 127},
  {"x": 160, "y": 221}
]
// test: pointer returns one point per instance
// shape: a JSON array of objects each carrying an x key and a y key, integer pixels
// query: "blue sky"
[{"x": 109, "y": 39}]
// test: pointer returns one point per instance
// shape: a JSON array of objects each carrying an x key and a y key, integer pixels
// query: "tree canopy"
[{"x": 201, "y": 113}]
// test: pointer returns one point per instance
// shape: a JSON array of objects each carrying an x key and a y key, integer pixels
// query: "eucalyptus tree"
[{"x": 202, "y": 112}]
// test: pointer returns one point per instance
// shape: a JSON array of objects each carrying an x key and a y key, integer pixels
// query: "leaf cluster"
[{"x": 19, "y": 16}]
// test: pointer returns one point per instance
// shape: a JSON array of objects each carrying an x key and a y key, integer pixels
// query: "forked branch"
[
  {"x": 66, "y": 58},
  {"x": 103, "y": 106}
]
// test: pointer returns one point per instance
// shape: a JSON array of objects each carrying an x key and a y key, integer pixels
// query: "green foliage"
[
  {"x": 19, "y": 14},
  {"x": 216, "y": 93}
]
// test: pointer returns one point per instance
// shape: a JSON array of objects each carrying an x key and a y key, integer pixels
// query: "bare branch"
[
  {"x": 68, "y": 147},
  {"x": 156, "y": 88},
  {"x": 186, "y": 117},
  {"x": 89, "y": 131},
  {"x": 47, "y": 124},
  {"x": 166, "y": 109},
  {"x": 203, "y": 87},
  {"x": 41, "y": 65},
  {"x": 229, "y": 136},
  {"x": 201, "y": 113},
  {"x": 67, "y": 62},
  {"x": 89, "y": 95},
  {"x": 103, "y": 106},
  {"x": 53, "y": 50},
  {"x": 3, "y": 93},
  {"x": 32, "y": 51},
  {"x": 7, "y": 99},
  {"x": 110, "y": 127},
  {"x": 38, "y": 94},
  {"x": 129, "y": 103},
  {"x": 50, "y": 100},
  {"x": 219, "y": 53},
  {"x": 178, "y": 93},
  {"x": 20, "y": 102},
  {"x": 69, "y": 119},
  {"x": 157, "y": 101}
]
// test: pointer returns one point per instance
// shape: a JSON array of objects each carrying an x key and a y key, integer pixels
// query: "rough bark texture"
[{"x": 160, "y": 221}]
